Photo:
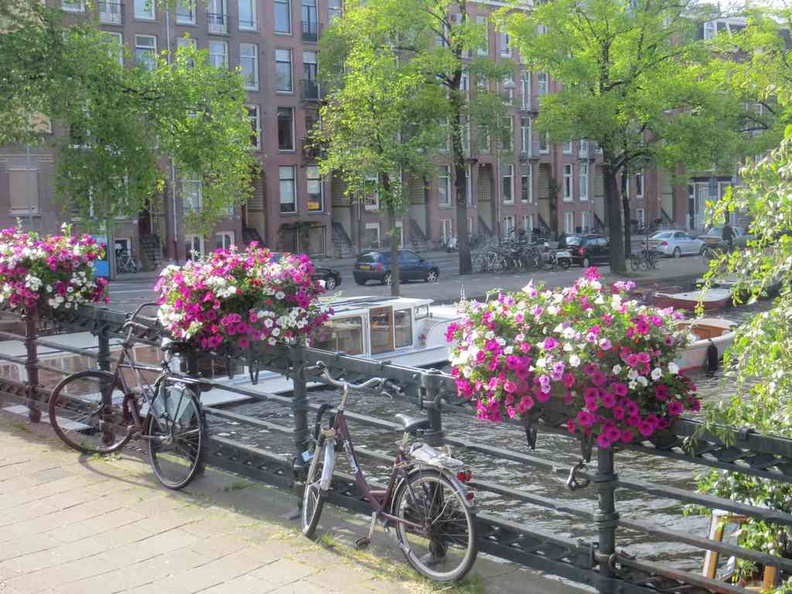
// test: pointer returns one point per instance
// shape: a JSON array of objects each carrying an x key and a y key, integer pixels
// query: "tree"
[
  {"x": 633, "y": 80},
  {"x": 117, "y": 124}
]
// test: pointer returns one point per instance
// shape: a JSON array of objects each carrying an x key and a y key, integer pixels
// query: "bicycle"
[
  {"x": 646, "y": 259},
  {"x": 425, "y": 499},
  {"x": 96, "y": 412},
  {"x": 126, "y": 263},
  {"x": 712, "y": 252}
]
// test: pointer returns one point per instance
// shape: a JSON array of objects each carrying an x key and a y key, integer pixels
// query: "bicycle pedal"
[{"x": 362, "y": 542}]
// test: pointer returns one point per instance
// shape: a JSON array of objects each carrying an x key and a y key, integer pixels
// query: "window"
[
  {"x": 283, "y": 16},
  {"x": 24, "y": 192},
  {"x": 76, "y": 5},
  {"x": 526, "y": 183},
  {"x": 507, "y": 183},
  {"x": 525, "y": 89},
  {"x": 193, "y": 246},
  {"x": 507, "y": 228},
  {"x": 315, "y": 188},
  {"x": 247, "y": 15},
  {"x": 224, "y": 240},
  {"x": 569, "y": 222},
  {"x": 191, "y": 193},
  {"x": 144, "y": 9},
  {"x": 444, "y": 185},
  {"x": 585, "y": 222},
  {"x": 409, "y": 256},
  {"x": 505, "y": 48},
  {"x": 509, "y": 144},
  {"x": 583, "y": 180},
  {"x": 626, "y": 181},
  {"x": 484, "y": 50},
  {"x": 371, "y": 195},
  {"x": 640, "y": 216},
  {"x": 525, "y": 136},
  {"x": 567, "y": 183},
  {"x": 217, "y": 17},
  {"x": 541, "y": 29},
  {"x": 283, "y": 71},
  {"x": 309, "y": 65},
  {"x": 185, "y": 12},
  {"x": 483, "y": 139},
  {"x": 468, "y": 186},
  {"x": 709, "y": 30},
  {"x": 583, "y": 152},
  {"x": 145, "y": 50},
  {"x": 446, "y": 228},
  {"x": 542, "y": 84},
  {"x": 285, "y": 129},
  {"x": 111, "y": 12},
  {"x": 183, "y": 43},
  {"x": 218, "y": 54},
  {"x": 255, "y": 124},
  {"x": 508, "y": 84},
  {"x": 544, "y": 143},
  {"x": 639, "y": 185},
  {"x": 567, "y": 147},
  {"x": 334, "y": 9},
  {"x": 402, "y": 327},
  {"x": 343, "y": 335},
  {"x": 466, "y": 137},
  {"x": 464, "y": 84},
  {"x": 371, "y": 236},
  {"x": 115, "y": 42},
  {"x": 288, "y": 194},
  {"x": 310, "y": 20},
  {"x": 248, "y": 64},
  {"x": 470, "y": 226}
]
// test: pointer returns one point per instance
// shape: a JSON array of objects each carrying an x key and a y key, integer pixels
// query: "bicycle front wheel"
[
  {"x": 176, "y": 434},
  {"x": 88, "y": 412},
  {"x": 436, "y": 529},
  {"x": 635, "y": 262},
  {"x": 313, "y": 495}
]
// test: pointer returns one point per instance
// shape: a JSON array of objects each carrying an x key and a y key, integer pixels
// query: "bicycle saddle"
[{"x": 412, "y": 424}]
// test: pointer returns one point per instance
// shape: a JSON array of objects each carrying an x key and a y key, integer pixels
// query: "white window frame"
[
  {"x": 111, "y": 12},
  {"x": 185, "y": 12},
  {"x": 248, "y": 25},
  {"x": 446, "y": 228},
  {"x": 525, "y": 89},
  {"x": 192, "y": 193},
  {"x": 483, "y": 51},
  {"x": 566, "y": 148},
  {"x": 224, "y": 239},
  {"x": 583, "y": 150},
  {"x": 507, "y": 183},
  {"x": 542, "y": 83},
  {"x": 279, "y": 55},
  {"x": 569, "y": 222},
  {"x": 335, "y": 9},
  {"x": 192, "y": 239},
  {"x": 526, "y": 134},
  {"x": 371, "y": 201},
  {"x": 544, "y": 144},
  {"x": 444, "y": 179},
  {"x": 73, "y": 5},
  {"x": 145, "y": 10},
  {"x": 217, "y": 17},
  {"x": 508, "y": 224},
  {"x": 585, "y": 221},
  {"x": 566, "y": 186},
  {"x": 218, "y": 60},
  {"x": 710, "y": 30},
  {"x": 255, "y": 124},
  {"x": 505, "y": 45},
  {"x": 640, "y": 216},
  {"x": 526, "y": 181},
  {"x": 117, "y": 38},
  {"x": 639, "y": 185},
  {"x": 376, "y": 226},
  {"x": 583, "y": 181},
  {"x": 468, "y": 185},
  {"x": 248, "y": 54},
  {"x": 275, "y": 20},
  {"x": 293, "y": 179},
  {"x": 140, "y": 51},
  {"x": 318, "y": 179}
]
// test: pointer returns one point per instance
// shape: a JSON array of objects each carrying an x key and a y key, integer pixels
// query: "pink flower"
[
  {"x": 526, "y": 403},
  {"x": 550, "y": 343},
  {"x": 661, "y": 392},
  {"x": 619, "y": 389},
  {"x": 627, "y": 435},
  {"x": 602, "y": 441},
  {"x": 598, "y": 378},
  {"x": 585, "y": 418},
  {"x": 675, "y": 408},
  {"x": 645, "y": 428}
]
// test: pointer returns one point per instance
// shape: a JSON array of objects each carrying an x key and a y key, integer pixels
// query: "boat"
[
  {"x": 712, "y": 300},
  {"x": 712, "y": 337}
]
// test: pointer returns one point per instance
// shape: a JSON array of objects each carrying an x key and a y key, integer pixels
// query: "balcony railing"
[
  {"x": 217, "y": 23},
  {"x": 311, "y": 31},
  {"x": 111, "y": 13},
  {"x": 310, "y": 90}
]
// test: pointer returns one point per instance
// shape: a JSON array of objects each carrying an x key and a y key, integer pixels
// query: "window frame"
[
  {"x": 250, "y": 85},
  {"x": 569, "y": 222},
  {"x": 212, "y": 55},
  {"x": 567, "y": 184},
  {"x": 583, "y": 181},
  {"x": 640, "y": 179},
  {"x": 279, "y": 63},
  {"x": 140, "y": 50},
  {"x": 144, "y": 16},
  {"x": 507, "y": 173},
  {"x": 526, "y": 181},
  {"x": 444, "y": 180},
  {"x": 191, "y": 9},
  {"x": 542, "y": 83},
  {"x": 317, "y": 179},
  {"x": 249, "y": 25},
  {"x": 287, "y": 4},
  {"x": 292, "y": 133},
  {"x": 293, "y": 180},
  {"x": 220, "y": 243},
  {"x": 255, "y": 124}
]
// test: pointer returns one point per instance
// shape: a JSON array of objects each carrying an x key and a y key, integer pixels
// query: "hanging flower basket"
[
  {"x": 49, "y": 273},
  {"x": 233, "y": 299},
  {"x": 584, "y": 356}
]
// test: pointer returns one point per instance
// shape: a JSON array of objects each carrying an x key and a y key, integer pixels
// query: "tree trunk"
[
  {"x": 460, "y": 186},
  {"x": 612, "y": 208},
  {"x": 390, "y": 210},
  {"x": 625, "y": 196}
]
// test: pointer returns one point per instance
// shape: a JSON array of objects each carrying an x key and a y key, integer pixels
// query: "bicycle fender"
[
  {"x": 424, "y": 469},
  {"x": 329, "y": 463}
]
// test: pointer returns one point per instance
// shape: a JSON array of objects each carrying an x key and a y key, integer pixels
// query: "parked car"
[
  {"x": 376, "y": 265},
  {"x": 675, "y": 243},
  {"x": 587, "y": 250},
  {"x": 330, "y": 277},
  {"x": 715, "y": 235}
]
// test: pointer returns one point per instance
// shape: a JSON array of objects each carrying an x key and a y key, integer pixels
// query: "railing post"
[
  {"x": 430, "y": 387},
  {"x": 299, "y": 406},
  {"x": 607, "y": 518},
  {"x": 31, "y": 367},
  {"x": 192, "y": 370},
  {"x": 103, "y": 352}
]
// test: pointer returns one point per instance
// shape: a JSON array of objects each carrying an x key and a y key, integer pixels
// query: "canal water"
[{"x": 666, "y": 513}]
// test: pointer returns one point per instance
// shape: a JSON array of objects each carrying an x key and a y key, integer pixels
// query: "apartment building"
[{"x": 537, "y": 185}]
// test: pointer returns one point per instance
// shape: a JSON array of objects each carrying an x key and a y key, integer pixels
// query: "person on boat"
[{"x": 727, "y": 234}]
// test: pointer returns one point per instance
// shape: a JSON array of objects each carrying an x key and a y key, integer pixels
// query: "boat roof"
[{"x": 346, "y": 304}]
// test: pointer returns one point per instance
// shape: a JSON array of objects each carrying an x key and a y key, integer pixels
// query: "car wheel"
[
  {"x": 330, "y": 283},
  {"x": 432, "y": 275},
  {"x": 387, "y": 279},
  {"x": 677, "y": 252},
  {"x": 586, "y": 263}
]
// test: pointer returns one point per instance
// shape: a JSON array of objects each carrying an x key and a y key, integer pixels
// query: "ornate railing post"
[
  {"x": 31, "y": 367},
  {"x": 430, "y": 396},
  {"x": 103, "y": 352},
  {"x": 607, "y": 518},
  {"x": 299, "y": 406}
]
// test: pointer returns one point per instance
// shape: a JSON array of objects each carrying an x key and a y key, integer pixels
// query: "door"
[
  {"x": 411, "y": 265},
  {"x": 381, "y": 328}
]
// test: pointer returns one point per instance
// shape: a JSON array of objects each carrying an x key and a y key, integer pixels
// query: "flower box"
[
  {"x": 233, "y": 299},
  {"x": 583, "y": 356}
]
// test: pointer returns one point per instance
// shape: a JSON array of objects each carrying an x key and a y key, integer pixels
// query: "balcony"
[
  {"x": 110, "y": 13},
  {"x": 311, "y": 31},
  {"x": 217, "y": 23},
  {"x": 530, "y": 103},
  {"x": 310, "y": 90}
]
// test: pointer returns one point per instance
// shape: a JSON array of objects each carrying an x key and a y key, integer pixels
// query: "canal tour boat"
[{"x": 712, "y": 337}]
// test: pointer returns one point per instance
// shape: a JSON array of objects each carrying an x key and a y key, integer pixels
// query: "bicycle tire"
[
  {"x": 564, "y": 263},
  {"x": 176, "y": 434},
  {"x": 313, "y": 494},
  {"x": 635, "y": 263},
  {"x": 81, "y": 419},
  {"x": 549, "y": 264},
  {"x": 409, "y": 511}
]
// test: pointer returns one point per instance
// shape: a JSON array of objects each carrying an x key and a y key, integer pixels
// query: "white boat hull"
[{"x": 715, "y": 334}]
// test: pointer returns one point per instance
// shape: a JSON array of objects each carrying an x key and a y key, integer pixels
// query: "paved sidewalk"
[{"x": 72, "y": 524}]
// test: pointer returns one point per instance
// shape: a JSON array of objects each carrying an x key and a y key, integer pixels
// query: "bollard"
[
  {"x": 31, "y": 367},
  {"x": 299, "y": 408},
  {"x": 607, "y": 519},
  {"x": 430, "y": 396}
]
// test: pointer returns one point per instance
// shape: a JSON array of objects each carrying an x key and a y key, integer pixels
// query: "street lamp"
[{"x": 506, "y": 86}]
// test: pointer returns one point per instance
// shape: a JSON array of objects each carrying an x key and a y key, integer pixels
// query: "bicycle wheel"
[
  {"x": 313, "y": 495},
  {"x": 549, "y": 263},
  {"x": 175, "y": 432},
  {"x": 84, "y": 419},
  {"x": 635, "y": 262},
  {"x": 436, "y": 531}
]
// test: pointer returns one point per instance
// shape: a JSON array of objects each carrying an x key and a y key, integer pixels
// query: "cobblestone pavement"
[{"x": 83, "y": 525}]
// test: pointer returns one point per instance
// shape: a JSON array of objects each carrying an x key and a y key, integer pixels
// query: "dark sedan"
[
  {"x": 376, "y": 266},
  {"x": 587, "y": 250},
  {"x": 330, "y": 277}
]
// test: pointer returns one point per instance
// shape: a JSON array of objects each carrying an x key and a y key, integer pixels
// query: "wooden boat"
[
  {"x": 713, "y": 337},
  {"x": 712, "y": 300}
]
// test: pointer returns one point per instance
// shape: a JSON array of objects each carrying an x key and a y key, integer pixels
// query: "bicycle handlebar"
[{"x": 321, "y": 367}]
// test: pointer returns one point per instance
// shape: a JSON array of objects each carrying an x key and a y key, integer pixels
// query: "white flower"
[
  {"x": 643, "y": 381},
  {"x": 633, "y": 374},
  {"x": 280, "y": 295},
  {"x": 569, "y": 333},
  {"x": 552, "y": 310},
  {"x": 657, "y": 373},
  {"x": 617, "y": 369},
  {"x": 574, "y": 360},
  {"x": 508, "y": 350},
  {"x": 541, "y": 362},
  {"x": 632, "y": 385},
  {"x": 673, "y": 368}
]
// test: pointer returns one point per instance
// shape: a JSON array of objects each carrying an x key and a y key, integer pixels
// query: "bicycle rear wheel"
[
  {"x": 635, "y": 262},
  {"x": 176, "y": 432},
  {"x": 88, "y": 412},
  {"x": 436, "y": 529},
  {"x": 313, "y": 494}
]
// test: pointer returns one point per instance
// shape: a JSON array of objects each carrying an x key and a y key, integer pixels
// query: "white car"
[{"x": 675, "y": 243}]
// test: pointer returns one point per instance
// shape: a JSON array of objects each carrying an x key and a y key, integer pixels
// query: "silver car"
[{"x": 675, "y": 243}]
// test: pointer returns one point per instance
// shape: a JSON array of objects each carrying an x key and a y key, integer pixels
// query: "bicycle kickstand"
[{"x": 364, "y": 541}]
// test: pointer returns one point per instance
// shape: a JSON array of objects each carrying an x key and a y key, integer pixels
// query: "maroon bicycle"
[{"x": 425, "y": 501}]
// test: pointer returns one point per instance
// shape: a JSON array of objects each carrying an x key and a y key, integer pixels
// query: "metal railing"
[
  {"x": 111, "y": 13},
  {"x": 310, "y": 90},
  {"x": 217, "y": 23},
  {"x": 310, "y": 31},
  {"x": 594, "y": 562}
]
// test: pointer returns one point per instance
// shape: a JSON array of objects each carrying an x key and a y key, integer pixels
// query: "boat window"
[
  {"x": 341, "y": 334},
  {"x": 421, "y": 312},
  {"x": 381, "y": 321},
  {"x": 402, "y": 328}
]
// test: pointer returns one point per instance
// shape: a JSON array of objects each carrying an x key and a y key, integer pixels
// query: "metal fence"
[{"x": 596, "y": 563}]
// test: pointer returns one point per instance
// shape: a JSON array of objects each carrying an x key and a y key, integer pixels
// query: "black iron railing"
[
  {"x": 310, "y": 90},
  {"x": 310, "y": 31},
  {"x": 217, "y": 23},
  {"x": 597, "y": 562},
  {"x": 111, "y": 13}
]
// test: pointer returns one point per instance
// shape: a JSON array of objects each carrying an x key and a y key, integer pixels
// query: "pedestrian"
[{"x": 727, "y": 234}]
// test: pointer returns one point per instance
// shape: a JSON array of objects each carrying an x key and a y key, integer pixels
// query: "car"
[
  {"x": 587, "y": 250},
  {"x": 376, "y": 265},
  {"x": 330, "y": 277},
  {"x": 715, "y": 236},
  {"x": 675, "y": 243}
]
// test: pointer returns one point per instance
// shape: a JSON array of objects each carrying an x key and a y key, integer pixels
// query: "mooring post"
[
  {"x": 299, "y": 407},
  {"x": 430, "y": 388},
  {"x": 607, "y": 519},
  {"x": 31, "y": 367}
]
